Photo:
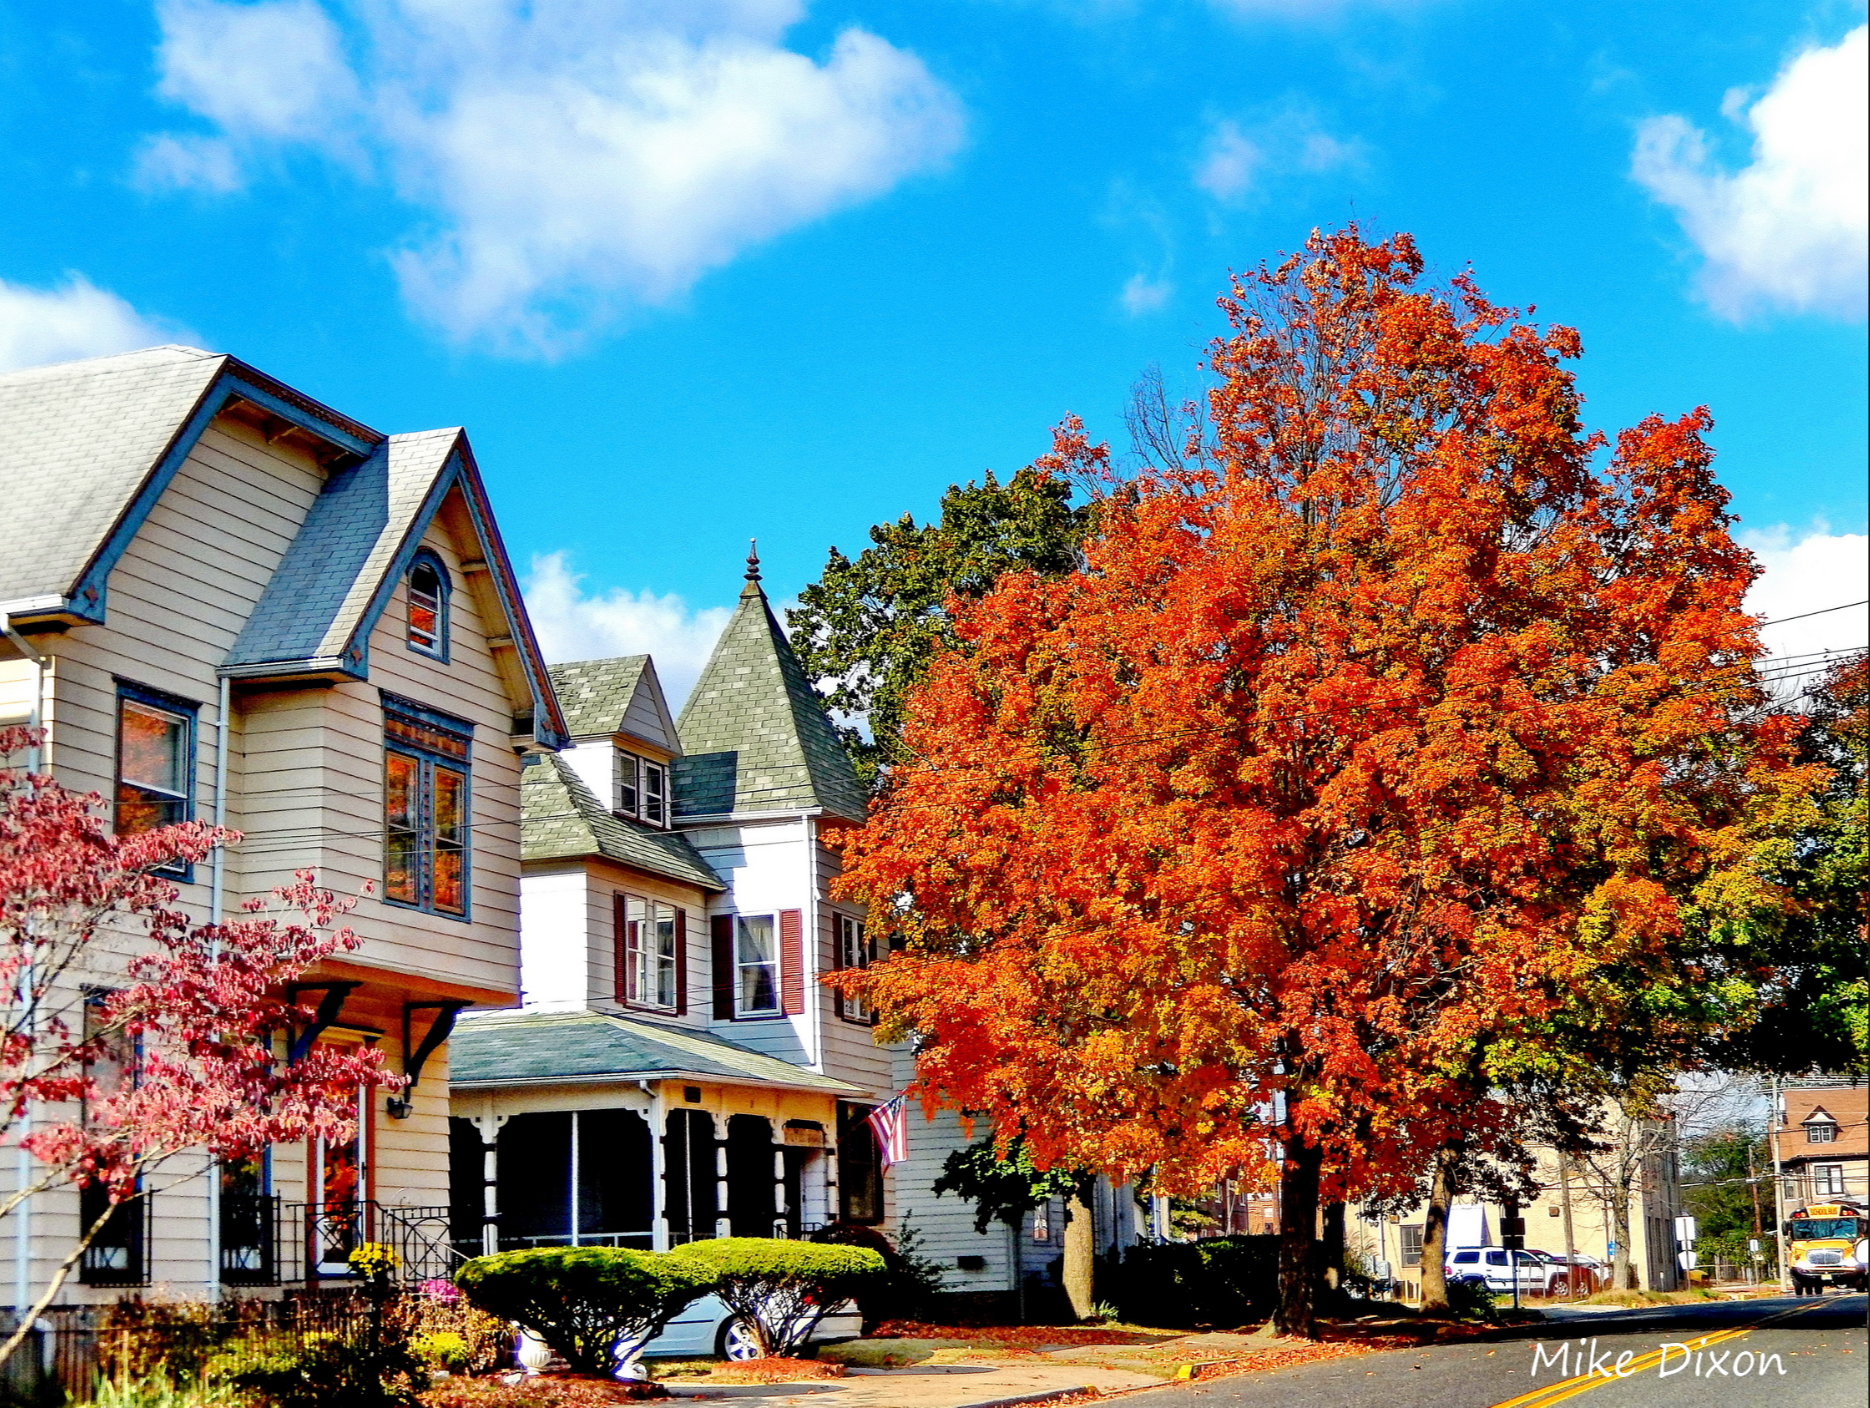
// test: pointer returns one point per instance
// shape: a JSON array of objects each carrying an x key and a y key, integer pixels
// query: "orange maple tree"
[{"x": 1373, "y": 732}]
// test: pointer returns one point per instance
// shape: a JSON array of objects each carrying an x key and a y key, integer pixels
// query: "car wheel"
[{"x": 737, "y": 1342}]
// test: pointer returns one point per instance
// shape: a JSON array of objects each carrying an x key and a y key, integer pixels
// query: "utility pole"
[
  {"x": 1779, "y": 1190},
  {"x": 1571, "y": 1240}
]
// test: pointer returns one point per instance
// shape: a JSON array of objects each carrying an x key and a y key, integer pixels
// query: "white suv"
[{"x": 1492, "y": 1266}]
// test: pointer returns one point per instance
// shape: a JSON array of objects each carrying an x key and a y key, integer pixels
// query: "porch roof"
[{"x": 525, "y": 1048}]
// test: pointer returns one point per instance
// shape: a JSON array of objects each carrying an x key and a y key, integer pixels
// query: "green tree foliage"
[
  {"x": 873, "y": 624},
  {"x": 1817, "y": 1001},
  {"x": 1716, "y": 1189},
  {"x": 1004, "y": 1185},
  {"x": 780, "y": 1290},
  {"x": 585, "y": 1302}
]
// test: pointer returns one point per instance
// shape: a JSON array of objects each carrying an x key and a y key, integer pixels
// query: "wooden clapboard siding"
[
  {"x": 604, "y": 881},
  {"x": 304, "y": 784},
  {"x": 343, "y": 767},
  {"x": 851, "y": 1052}
]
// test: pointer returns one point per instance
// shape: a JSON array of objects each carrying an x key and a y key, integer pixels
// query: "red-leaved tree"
[
  {"x": 1387, "y": 750},
  {"x": 130, "y": 1034}
]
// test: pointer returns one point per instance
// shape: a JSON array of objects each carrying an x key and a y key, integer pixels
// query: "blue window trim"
[
  {"x": 444, "y": 612},
  {"x": 424, "y": 903},
  {"x": 189, "y": 711}
]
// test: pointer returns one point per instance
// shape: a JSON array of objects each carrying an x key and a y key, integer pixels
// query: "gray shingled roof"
[
  {"x": 78, "y": 440},
  {"x": 330, "y": 573},
  {"x": 595, "y": 694},
  {"x": 756, "y": 736},
  {"x": 561, "y": 819},
  {"x": 513, "y": 1048}
]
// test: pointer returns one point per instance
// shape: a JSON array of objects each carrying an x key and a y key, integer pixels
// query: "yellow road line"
[{"x": 1584, "y": 1383}]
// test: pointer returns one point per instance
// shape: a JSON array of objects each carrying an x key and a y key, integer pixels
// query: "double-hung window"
[
  {"x": 650, "y": 957},
  {"x": 1821, "y": 1132},
  {"x": 1828, "y": 1180},
  {"x": 853, "y": 949},
  {"x": 655, "y": 793},
  {"x": 118, "y": 1252},
  {"x": 629, "y": 782},
  {"x": 642, "y": 789},
  {"x": 155, "y": 759},
  {"x": 756, "y": 966},
  {"x": 425, "y": 808}
]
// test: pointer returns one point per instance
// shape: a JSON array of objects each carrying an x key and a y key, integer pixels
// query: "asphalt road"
[{"x": 1728, "y": 1354}]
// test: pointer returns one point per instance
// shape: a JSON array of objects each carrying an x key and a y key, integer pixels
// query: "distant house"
[
  {"x": 678, "y": 1069},
  {"x": 1823, "y": 1142},
  {"x": 240, "y": 604}
]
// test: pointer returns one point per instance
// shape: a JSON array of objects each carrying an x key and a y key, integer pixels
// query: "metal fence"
[{"x": 71, "y": 1346}]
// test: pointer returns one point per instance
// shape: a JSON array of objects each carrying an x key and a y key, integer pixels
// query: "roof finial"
[{"x": 753, "y": 559}]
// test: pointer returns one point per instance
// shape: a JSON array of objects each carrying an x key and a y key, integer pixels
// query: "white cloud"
[
  {"x": 573, "y": 626},
  {"x": 1143, "y": 294},
  {"x": 1805, "y": 573},
  {"x": 1788, "y": 229},
  {"x": 579, "y": 158},
  {"x": 274, "y": 70},
  {"x": 75, "y": 320},
  {"x": 1227, "y": 165},
  {"x": 1236, "y": 161}
]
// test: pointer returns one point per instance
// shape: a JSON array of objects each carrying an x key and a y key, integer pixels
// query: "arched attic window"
[{"x": 428, "y": 606}]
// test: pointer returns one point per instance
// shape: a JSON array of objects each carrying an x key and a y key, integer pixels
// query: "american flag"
[{"x": 890, "y": 1121}]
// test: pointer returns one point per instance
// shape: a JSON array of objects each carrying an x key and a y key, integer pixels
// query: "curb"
[{"x": 1026, "y": 1398}]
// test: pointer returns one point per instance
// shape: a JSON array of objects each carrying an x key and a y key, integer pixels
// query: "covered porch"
[{"x": 591, "y": 1129}]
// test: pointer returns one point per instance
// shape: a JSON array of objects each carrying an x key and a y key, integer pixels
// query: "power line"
[{"x": 1825, "y": 611}]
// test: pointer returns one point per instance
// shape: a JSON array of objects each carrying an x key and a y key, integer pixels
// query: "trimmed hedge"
[
  {"x": 1220, "y": 1281},
  {"x": 780, "y": 1290},
  {"x": 585, "y": 1302}
]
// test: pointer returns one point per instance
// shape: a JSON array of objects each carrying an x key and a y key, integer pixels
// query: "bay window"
[{"x": 425, "y": 809}]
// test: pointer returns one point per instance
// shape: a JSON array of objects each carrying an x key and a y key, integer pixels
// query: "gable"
[
  {"x": 351, "y": 559},
  {"x": 91, "y": 445}
]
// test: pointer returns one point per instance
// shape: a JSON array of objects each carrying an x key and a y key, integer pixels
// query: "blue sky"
[{"x": 696, "y": 270}]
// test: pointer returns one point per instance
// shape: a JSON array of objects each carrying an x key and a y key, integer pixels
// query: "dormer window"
[
  {"x": 629, "y": 782},
  {"x": 428, "y": 607},
  {"x": 1821, "y": 1129},
  {"x": 642, "y": 789},
  {"x": 655, "y": 794}
]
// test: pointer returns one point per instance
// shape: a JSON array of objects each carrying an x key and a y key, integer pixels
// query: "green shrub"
[
  {"x": 781, "y": 1290},
  {"x": 1221, "y": 1281},
  {"x": 1471, "y": 1300},
  {"x": 911, "y": 1279},
  {"x": 585, "y": 1302},
  {"x": 322, "y": 1370}
]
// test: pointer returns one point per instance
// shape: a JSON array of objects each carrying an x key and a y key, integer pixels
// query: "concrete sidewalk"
[{"x": 928, "y": 1386}]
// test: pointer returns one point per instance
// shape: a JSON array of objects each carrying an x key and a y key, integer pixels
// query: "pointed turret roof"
[{"x": 755, "y": 736}]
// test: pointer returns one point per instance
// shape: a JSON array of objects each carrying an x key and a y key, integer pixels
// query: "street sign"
[{"x": 1513, "y": 1233}]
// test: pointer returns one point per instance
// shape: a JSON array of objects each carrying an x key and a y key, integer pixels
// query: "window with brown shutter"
[
  {"x": 791, "y": 962},
  {"x": 681, "y": 963}
]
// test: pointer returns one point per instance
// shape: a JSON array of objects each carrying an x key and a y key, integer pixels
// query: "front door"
[{"x": 339, "y": 1180}]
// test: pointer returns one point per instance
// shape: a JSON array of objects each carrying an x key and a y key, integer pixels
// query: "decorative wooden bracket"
[
  {"x": 330, "y": 1006},
  {"x": 416, "y": 1055}
]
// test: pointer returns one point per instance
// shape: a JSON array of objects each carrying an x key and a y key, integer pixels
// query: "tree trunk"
[
  {"x": 1330, "y": 1288},
  {"x": 1622, "y": 1269},
  {"x": 1435, "y": 1233},
  {"x": 1297, "y": 1312},
  {"x": 1080, "y": 1250}
]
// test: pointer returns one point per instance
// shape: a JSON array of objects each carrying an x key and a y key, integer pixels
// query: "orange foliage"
[{"x": 1401, "y": 714}]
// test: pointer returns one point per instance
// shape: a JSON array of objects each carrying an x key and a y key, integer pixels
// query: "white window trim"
[{"x": 741, "y": 966}]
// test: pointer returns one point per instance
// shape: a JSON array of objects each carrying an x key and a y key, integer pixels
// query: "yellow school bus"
[{"x": 1826, "y": 1247}]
